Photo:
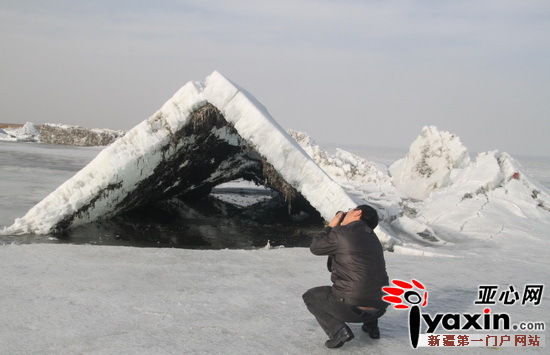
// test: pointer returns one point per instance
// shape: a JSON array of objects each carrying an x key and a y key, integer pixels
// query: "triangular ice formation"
[{"x": 206, "y": 134}]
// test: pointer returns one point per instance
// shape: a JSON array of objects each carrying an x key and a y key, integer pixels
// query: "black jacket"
[{"x": 356, "y": 260}]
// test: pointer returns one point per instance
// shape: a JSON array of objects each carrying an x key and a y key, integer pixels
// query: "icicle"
[{"x": 289, "y": 206}]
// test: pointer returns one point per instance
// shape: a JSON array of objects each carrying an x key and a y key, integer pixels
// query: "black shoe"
[
  {"x": 343, "y": 335},
  {"x": 371, "y": 328}
]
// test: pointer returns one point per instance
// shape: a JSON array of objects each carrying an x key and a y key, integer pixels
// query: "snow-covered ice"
[
  {"x": 427, "y": 166},
  {"x": 7, "y": 137},
  {"x": 242, "y": 193},
  {"x": 26, "y": 133},
  {"x": 436, "y": 195},
  {"x": 485, "y": 211},
  {"x": 101, "y": 188},
  {"x": 66, "y": 299},
  {"x": 56, "y": 133}
]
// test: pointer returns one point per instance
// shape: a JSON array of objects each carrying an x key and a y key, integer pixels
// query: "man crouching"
[{"x": 356, "y": 261}]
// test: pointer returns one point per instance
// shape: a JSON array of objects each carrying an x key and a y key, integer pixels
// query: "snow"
[
  {"x": 115, "y": 172},
  {"x": 96, "y": 130},
  {"x": 66, "y": 299},
  {"x": 437, "y": 195},
  {"x": 123, "y": 300},
  {"x": 429, "y": 162},
  {"x": 6, "y": 137},
  {"x": 489, "y": 196},
  {"x": 56, "y": 133},
  {"x": 242, "y": 193},
  {"x": 26, "y": 133}
]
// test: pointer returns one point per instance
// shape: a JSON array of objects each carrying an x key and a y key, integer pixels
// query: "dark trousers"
[{"x": 333, "y": 314}]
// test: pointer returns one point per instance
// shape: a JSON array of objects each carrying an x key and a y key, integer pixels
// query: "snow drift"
[
  {"x": 26, "y": 133},
  {"x": 54, "y": 133},
  {"x": 485, "y": 197},
  {"x": 6, "y": 136},
  {"x": 206, "y": 134},
  {"x": 427, "y": 166},
  {"x": 438, "y": 195},
  {"x": 368, "y": 181}
]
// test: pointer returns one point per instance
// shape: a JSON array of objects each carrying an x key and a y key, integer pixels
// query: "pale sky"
[{"x": 354, "y": 72}]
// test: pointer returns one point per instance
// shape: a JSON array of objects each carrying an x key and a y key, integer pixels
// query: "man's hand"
[{"x": 337, "y": 219}]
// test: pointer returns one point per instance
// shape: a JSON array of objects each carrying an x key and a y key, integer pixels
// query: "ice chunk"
[
  {"x": 153, "y": 160},
  {"x": 26, "y": 133},
  {"x": 428, "y": 165}
]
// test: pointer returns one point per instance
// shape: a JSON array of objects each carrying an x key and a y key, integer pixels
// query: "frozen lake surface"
[{"x": 66, "y": 299}]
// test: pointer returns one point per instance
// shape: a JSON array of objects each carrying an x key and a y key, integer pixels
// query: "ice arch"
[{"x": 207, "y": 133}]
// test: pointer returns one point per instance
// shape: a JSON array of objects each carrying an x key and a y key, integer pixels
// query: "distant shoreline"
[
  {"x": 10, "y": 125},
  {"x": 55, "y": 133}
]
